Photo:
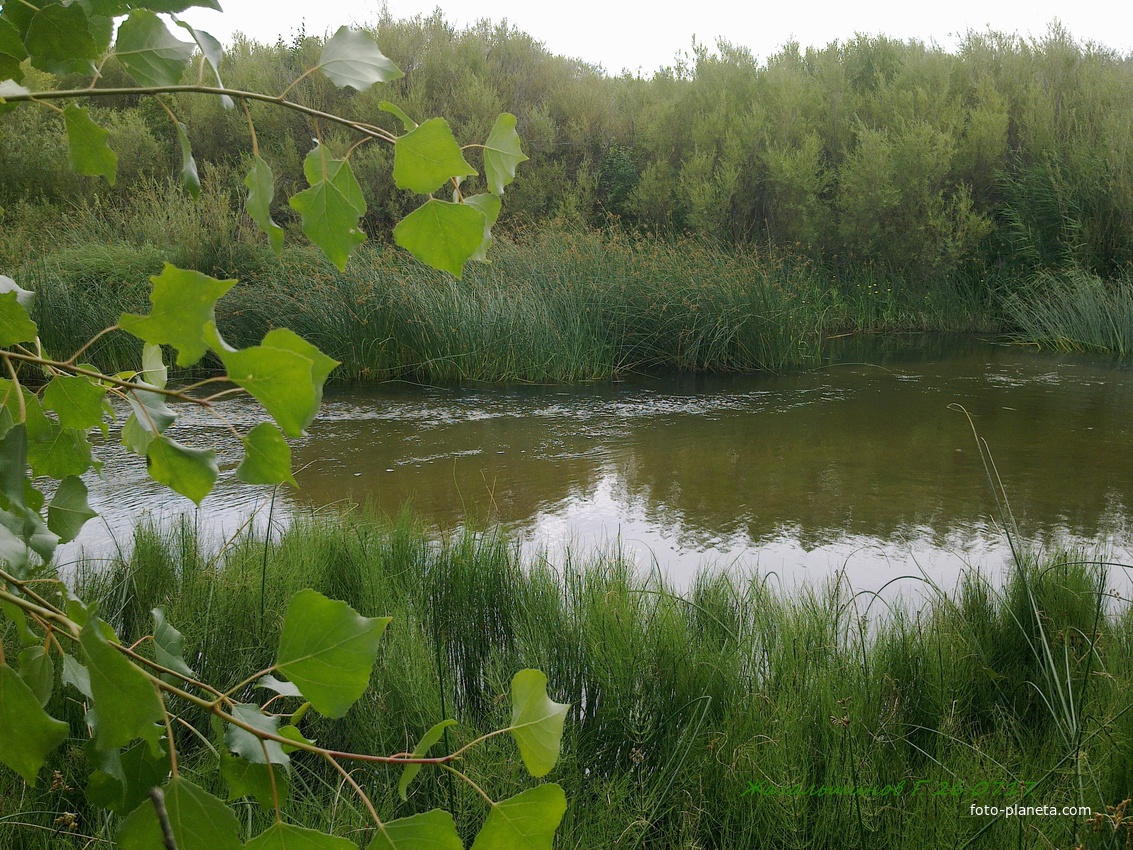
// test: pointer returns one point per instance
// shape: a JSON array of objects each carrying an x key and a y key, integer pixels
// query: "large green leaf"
[
  {"x": 328, "y": 649},
  {"x": 213, "y": 52},
  {"x": 77, "y": 401},
  {"x": 27, "y": 732},
  {"x": 53, "y": 450},
  {"x": 252, "y": 747},
  {"x": 502, "y": 153},
  {"x": 352, "y": 58},
  {"x": 18, "y": 619},
  {"x": 488, "y": 204},
  {"x": 198, "y": 819},
  {"x": 120, "y": 780},
  {"x": 12, "y": 51},
  {"x": 149, "y": 51},
  {"x": 331, "y": 207},
  {"x": 267, "y": 457},
  {"x": 190, "y": 180},
  {"x": 60, "y": 40},
  {"x": 175, "y": 5},
  {"x": 442, "y": 234},
  {"x": 38, "y": 672},
  {"x": 261, "y": 191},
  {"x": 15, "y": 324},
  {"x": 280, "y": 380},
  {"x": 169, "y": 645},
  {"x": 526, "y": 821},
  {"x": 424, "y": 158},
  {"x": 284, "y": 836},
  {"x": 261, "y": 781},
  {"x": 432, "y": 830},
  {"x": 127, "y": 701},
  {"x": 69, "y": 509},
  {"x": 420, "y": 751},
  {"x": 21, "y": 527},
  {"x": 191, "y": 472},
  {"x": 536, "y": 721},
  {"x": 396, "y": 111},
  {"x": 87, "y": 150},
  {"x": 184, "y": 302}
]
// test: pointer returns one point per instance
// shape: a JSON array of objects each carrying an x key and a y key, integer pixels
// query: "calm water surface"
[{"x": 862, "y": 465}]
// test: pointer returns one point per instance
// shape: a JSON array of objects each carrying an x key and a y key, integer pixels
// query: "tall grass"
[
  {"x": 1075, "y": 311},
  {"x": 682, "y": 703}
]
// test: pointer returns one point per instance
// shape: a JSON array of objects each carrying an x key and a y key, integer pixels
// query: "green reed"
[{"x": 683, "y": 702}]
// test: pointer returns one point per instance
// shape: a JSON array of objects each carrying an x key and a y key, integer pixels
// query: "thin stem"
[
  {"x": 98, "y": 376},
  {"x": 271, "y": 776},
  {"x": 16, "y": 385},
  {"x": 63, "y": 94},
  {"x": 90, "y": 342},
  {"x": 169, "y": 735},
  {"x": 468, "y": 779},
  {"x": 251, "y": 129},
  {"x": 297, "y": 80},
  {"x": 357, "y": 789}
]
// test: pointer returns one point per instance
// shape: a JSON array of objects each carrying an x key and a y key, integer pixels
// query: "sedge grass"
[{"x": 682, "y": 702}]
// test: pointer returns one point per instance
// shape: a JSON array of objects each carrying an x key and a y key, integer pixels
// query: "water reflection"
[{"x": 860, "y": 464}]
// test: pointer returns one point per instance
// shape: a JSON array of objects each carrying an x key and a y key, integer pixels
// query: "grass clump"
[{"x": 727, "y": 715}]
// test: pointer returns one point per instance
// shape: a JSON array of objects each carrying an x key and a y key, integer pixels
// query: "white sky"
[{"x": 643, "y": 37}]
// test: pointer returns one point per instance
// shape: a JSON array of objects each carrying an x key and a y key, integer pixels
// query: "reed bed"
[
  {"x": 729, "y": 715},
  {"x": 1075, "y": 311},
  {"x": 555, "y": 305}
]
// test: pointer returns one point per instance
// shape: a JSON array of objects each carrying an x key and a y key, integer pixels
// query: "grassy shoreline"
[
  {"x": 557, "y": 305},
  {"x": 682, "y": 704}
]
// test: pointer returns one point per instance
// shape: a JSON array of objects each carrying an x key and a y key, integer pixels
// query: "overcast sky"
[{"x": 643, "y": 37}]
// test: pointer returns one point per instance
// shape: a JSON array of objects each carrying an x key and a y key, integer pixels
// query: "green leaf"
[
  {"x": 199, "y": 821},
  {"x": 283, "y": 836},
  {"x": 154, "y": 372},
  {"x": 190, "y": 180},
  {"x": 126, "y": 700},
  {"x": 281, "y": 381},
  {"x": 288, "y": 340},
  {"x": 190, "y": 472},
  {"x": 59, "y": 40},
  {"x": 169, "y": 645},
  {"x": 12, "y": 52},
  {"x": 77, "y": 676},
  {"x": 184, "y": 302},
  {"x": 328, "y": 649},
  {"x": 284, "y": 689},
  {"x": 38, "y": 672},
  {"x": 420, "y": 751},
  {"x": 442, "y": 234},
  {"x": 488, "y": 204},
  {"x": 395, "y": 110},
  {"x": 292, "y": 733},
  {"x": 267, "y": 457},
  {"x": 245, "y": 779},
  {"x": 53, "y": 450},
  {"x": 21, "y": 526},
  {"x": 332, "y": 207},
  {"x": 121, "y": 780},
  {"x": 352, "y": 58},
  {"x": 176, "y": 5},
  {"x": 27, "y": 732},
  {"x": 251, "y": 747},
  {"x": 213, "y": 52},
  {"x": 502, "y": 153},
  {"x": 536, "y": 721},
  {"x": 526, "y": 821},
  {"x": 24, "y": 297},
  {"x": 87, "y": 149},
  {"x": 77, "y": 401},
  {"x": 261, "y": 191},
  {"x": 15, "y": 324},
  {"x": 432, "y": 830},
  {"x": 16, "y": 614},
  {"x": 149, "y": 52},
  {"x": 424, "y": 158},
  {"x": 69, "y": 509}
]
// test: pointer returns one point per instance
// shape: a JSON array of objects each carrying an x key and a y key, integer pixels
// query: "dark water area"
[{"x": 863, "y": 465}]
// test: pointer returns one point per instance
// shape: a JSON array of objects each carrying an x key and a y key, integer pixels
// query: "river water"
[{"x": 865, "y": 465}]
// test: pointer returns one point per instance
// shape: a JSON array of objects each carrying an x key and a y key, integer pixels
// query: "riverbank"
[
  {"x": 564, "y": 306},
  {"x": 727, "y": 716}
]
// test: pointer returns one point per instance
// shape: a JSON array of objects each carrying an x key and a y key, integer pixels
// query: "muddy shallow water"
[{"x": 863, "y": 465}]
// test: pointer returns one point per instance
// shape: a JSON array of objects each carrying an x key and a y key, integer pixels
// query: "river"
[{"x": 864, "y": 466}]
